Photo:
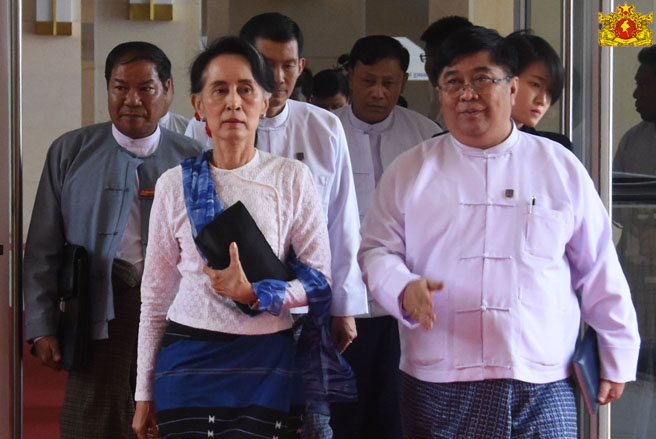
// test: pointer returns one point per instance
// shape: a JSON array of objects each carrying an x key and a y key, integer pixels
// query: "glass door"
[
  {"x": 634, "y": 214},
  {"x": 598, "y": 113}
]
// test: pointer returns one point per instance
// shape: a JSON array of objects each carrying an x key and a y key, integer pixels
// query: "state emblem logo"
[{"x": 626, "y": 27}]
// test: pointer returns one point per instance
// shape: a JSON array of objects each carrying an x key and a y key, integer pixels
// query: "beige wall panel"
[
  {"x": 407, "y": 18},
  {"x": 397, "y": 18},
  {"x": 546, "y": 18},
  {"x": 330, "y": 27},
  {"x": 51, "y": 97},
  {"x": 179, "y": 39},
  {"x": 496, "y": 15},
  {"x": 217, "y": 18},
  {"x": 439, "y": 8}
]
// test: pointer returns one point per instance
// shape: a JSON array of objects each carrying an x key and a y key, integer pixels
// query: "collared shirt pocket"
[{"x": 546, "y": 231}]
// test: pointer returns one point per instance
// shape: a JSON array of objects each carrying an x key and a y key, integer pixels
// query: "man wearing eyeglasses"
[{"x": 477, "y": 242}]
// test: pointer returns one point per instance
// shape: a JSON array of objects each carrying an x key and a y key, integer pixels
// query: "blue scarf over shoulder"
[{"x": 326, "y": 376}]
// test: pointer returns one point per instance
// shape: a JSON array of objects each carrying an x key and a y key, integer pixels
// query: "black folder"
[
  {"x": 586, "y": 366},
  {"x": 74, "y": 308},
  {"x": 235, "y": 224}
]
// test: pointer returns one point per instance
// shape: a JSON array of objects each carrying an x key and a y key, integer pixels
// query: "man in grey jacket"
[{"x": 96, "y": 191}]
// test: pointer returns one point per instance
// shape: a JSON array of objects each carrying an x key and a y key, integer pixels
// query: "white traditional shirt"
[
  {"x": 315, "y": 136},
  {"x": 512, "y": 231},
  {"x": 281, "y": 197},
  {"x": 373, "y": 147},
  {"x": 174, "y": 122},
  {"x": 130, "y": 248}
]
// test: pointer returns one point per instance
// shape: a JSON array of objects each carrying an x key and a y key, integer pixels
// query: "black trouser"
[{"x": 374, "y": 357}]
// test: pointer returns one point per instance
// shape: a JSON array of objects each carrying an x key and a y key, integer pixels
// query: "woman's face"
[
  {"x": 231, "y": 101},
  {"x": 533, "y": 98}
]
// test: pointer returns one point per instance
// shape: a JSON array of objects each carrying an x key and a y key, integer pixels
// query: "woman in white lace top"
[{"x": 196, "y": 344}]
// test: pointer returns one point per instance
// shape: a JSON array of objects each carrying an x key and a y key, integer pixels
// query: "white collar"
[
  {"x": 377, "y": 127},
  {"x": 277, "y": 120},
  {"x": 140, "y": 147}
]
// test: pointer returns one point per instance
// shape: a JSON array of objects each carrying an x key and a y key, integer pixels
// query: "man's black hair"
[
  {"x": 531, "y": 48},
  {"x": 369, "y": 50},
  {"x": 648, "y": 56},
  {"x": 470, "y": 40},
  {"x": 329, "y": 83},
  {"x": 231, "y": 45},
  {"x": 126, "y": 53},
  {"x": 272, "y": 26}
]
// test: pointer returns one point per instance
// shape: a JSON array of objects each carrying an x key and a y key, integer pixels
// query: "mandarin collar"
[
  {"x": 277, "y": 121},
  {"x": 140, "y": 147},
  {"x": 378, "y": 127},
  {"x": 502, "y": 148}
]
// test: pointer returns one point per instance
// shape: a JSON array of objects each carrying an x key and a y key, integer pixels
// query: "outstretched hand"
[
  {"x": 232, "y": 282},
  {"x": 418, "y": 300}
]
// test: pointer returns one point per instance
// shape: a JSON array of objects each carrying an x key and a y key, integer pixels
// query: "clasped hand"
[{"x": 232, "y": 282}]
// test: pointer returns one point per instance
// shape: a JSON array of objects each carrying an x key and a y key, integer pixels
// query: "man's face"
[
  {"x": 287, "y": 67},
  {"x": 645, "y": 93},
  {"x": 137, "y": 99},
  {"x": 375, "y": 89},
  {"x": 477, "y": 119}
]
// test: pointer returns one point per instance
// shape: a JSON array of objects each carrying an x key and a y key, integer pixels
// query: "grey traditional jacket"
[{"x": 84, "y": 197}]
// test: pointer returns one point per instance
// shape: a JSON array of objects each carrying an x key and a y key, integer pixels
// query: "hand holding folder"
[
  {"x": 586, "y": 364},
  {"x": 74, "y": 308},
  {"x": 259, "y": 262}
]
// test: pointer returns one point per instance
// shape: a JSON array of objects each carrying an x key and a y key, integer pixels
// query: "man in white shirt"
[
  {"x": 377, "y": 130},
  {"x": 315, "y": 136},
  {"x": 477, "y": 242}
]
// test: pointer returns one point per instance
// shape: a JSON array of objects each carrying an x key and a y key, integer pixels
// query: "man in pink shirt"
[{"x": 477, "y": 242}]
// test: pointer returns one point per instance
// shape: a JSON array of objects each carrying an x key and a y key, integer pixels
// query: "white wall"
[{"x": 51, "y": 97}]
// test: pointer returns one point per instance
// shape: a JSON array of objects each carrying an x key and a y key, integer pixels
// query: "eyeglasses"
[{"x": 481, "y": 85}]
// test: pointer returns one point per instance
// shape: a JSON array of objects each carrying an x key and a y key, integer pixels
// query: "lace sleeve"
[{"x": 159, "y": 285}]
